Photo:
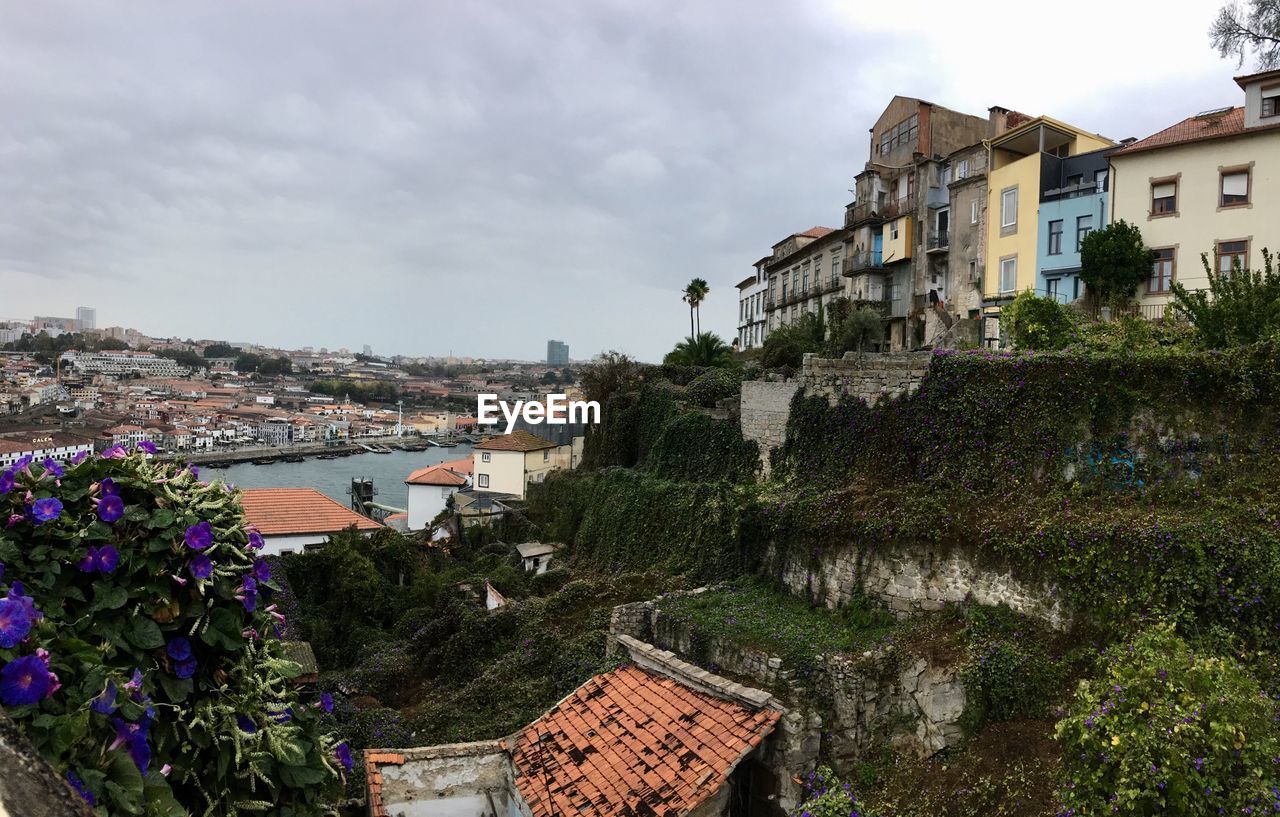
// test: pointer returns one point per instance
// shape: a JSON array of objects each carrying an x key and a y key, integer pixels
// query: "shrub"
[
  {"x": 855, "y": 332},
  {"x": 696, "y": 447},
  {"x": 825, "y": 795},
  {"x": 1007, "y": 674},
  {"x": 1239, "y": 308},
  {"x": 786, "y": 346},
  {"x": 137, "y": 646},
  {"x": 1038, "y": 323},
  {"x": 1114, "y": 261},
  {"x": 1169, "y": 731},
  {"x": 712, "y": 385}
]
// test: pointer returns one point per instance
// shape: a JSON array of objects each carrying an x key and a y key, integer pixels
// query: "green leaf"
[
  {"x": 108, "y": 597},
  {"x": 177, "y": 689},
  {"x": 162, "y": 518},
  {"x": 223, "y": 630},
  {"x": 144, "y": 633},
  {"x": 160, "y": 800},
  {"x": 124, "y": 782},
  {"x": 300, "y": 776}
]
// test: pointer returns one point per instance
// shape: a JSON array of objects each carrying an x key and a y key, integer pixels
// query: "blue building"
[{"x": 1073, "y": 203}]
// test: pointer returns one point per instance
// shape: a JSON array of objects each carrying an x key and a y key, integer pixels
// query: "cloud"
[{"x": 480, "y": 177}]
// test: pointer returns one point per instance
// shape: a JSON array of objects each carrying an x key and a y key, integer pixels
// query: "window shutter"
[
  {"x": 1235, "y": 184},
  {"x": 1164, "y": 191}
]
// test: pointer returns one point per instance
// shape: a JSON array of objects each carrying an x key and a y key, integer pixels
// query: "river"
[{"x": 333, "y": 477}]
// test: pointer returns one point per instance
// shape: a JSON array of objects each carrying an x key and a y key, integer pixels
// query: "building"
[
  {"x": 508, "y": 463},
  {"x": 535, "y": 557},
  {"x": 966, "y": 238},
  {"x": 429, "y": 490},
  {"x": 1073, "y": 203},
  {"x": 40, "y": 444},
  {"x": 898, "y": 225},
  {"x": 628, "y": 742},
  {"x": 557, "y": 353},
  {"x": 1019, "y": 162},
  {"x": 752, "y": 319},
  {"x": 803, "y": 274},
  {"x": 294, "y": 519},
  {"x": 1209, "y": 184},
  {"x": 124, "y": 364},
  {"x": 86, "y": 318}
]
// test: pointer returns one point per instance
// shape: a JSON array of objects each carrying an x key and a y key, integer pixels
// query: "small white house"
[
  {"x": 429, "y": 489},
  {"x": 535, "y": 556},
  {"x": 291, "y": 519}
]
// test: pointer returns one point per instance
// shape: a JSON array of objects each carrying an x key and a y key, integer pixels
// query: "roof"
[
  {"x": 300, "y": 653},
  {"x": 530, "y": 549},
  {"x": 438, "y": 474},
  {"x": 1198, "y": 128},
  {"x": 628, "y": 743},
  {"x": 746, "y": 282},
  {"x": 284, "y": 511},
  {"x": 1249, "y": 79},
  {"x": 518, "y": 440},
  {"x": 373, "y": 777}
]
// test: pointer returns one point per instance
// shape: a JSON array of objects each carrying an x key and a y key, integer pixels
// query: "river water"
[{"x": 333, "y": 477}]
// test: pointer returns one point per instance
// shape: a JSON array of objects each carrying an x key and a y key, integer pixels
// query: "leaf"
[
  {"x": 124, "y": 782},
  {"x": 144, "y": 633},
  {"x": 163, "y": 518},
  {"x": 177, "y": 689},
  {"x": 160, "y": 800},
  {"x": 108, "y": 597},
  {"x": 223, "y": 630},
  {"x": 300, "y": 776}
]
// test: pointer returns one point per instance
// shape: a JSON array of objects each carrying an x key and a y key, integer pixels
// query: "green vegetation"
[
  {"x": 703, "y": 349},
  {"x": 1114, "y": 261},
  {"x": 360, "y": 391},
  {"x": 826, "y": 795},
  {"x": 1038, "y": 323},
  {"x": 786, "y": 346},
  {"x": 1239, "y": 308},
  {"x": 694, "y": 294},
  {"x": 138, "y": 648}
]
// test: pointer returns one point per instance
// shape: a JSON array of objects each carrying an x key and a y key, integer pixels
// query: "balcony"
[
  {"x": 940, "y": 241},
  {"x": 866, "y": 211},
  {"x": 939, "y": 197},
  {"x": 861, "y": 261}
]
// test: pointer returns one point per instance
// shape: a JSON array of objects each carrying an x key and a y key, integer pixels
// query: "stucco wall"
[{"x": 454, "y": 780}]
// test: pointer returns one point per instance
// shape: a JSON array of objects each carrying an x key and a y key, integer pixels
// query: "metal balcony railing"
[
  {"x": 940, "y": 240},
  {"x": 859, "y": 261}
]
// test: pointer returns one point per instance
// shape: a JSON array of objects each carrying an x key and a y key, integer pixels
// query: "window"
[
  {"x": 485, "y": 456},
  {"x": 893, "y": 231},
  {"x": 835, "y": 268},
  {"x": 1084, "y": 226},
  {"x": 1009, "y": 208},
  {"x": 1234, "y": 189},
  {"x": 546, "y": 456},
  {"x": 973, "y": 212},
  {"x": 1075, "y": 180},
  {"x": 482, "y": 480},
  {"x": 1161, "y": 272},
  {"x": 1051, "y": 288},
  {"x": 962, "y": 169},
  {"x": 1270, "y": 102},
  {"x": 1008, "y": 274},
  {"x": 1055, "y": 237},
  {"x": 903, "y": 133},
  {"x": 1231, "y": 254},
  {"x": 973, "y": 272},
  {"x": 805, "y": 286},
  {"x": 1099, "y": 181},
  {"x": 1164, "y": 197}
]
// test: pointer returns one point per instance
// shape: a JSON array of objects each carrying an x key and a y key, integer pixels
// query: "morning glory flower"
[
  {"x": 105, "y": 703},
  {"x": 14, "y": 623},
  {"x": 100, "y": 560},
  {"x": 201, "y": 566},
  {"x": 81, "y": 789},
  {"x": 325, "y": 702},
  {"x": 246, "y": 724},
  {"x": 261, "y": 570},
  {"x": 147, "y": 446},
  {"x": 115, "y": 452},
  {"x": 46, "y": 510},
  {"x": 248, "y": 594},
  {"x": 108, "y": 487},
  {"x": 28, "y": 603},
  {"x": 179, "y": 649},
  {"x": 22, "y": 463},
  {"x": 133, "y": 736},
  {"x": 51, "y": 467},
  {"x": 6, "y": 481},
  {"x": 255, "y": 539},
  {"x": 110, "y": 508},
  {"x": 79, "y": 457},
  {"x": 199, "y": 536},
  {"x": 185, "y": 668},
  {"x": 343, "y": 753},
  {"x": 23, "y": 681}
]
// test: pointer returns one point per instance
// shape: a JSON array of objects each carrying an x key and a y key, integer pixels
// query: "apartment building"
[
  {"x": 1209, "y": 184},
  {"x": 1022, "y": 163},
  {"x": 965, "y": 238},
  {"x": 124, "y": 363},
  {"x": 752, "y": 319},
  {"x": 803, "y": 274},
  {"x": 1073, "y": 203}
]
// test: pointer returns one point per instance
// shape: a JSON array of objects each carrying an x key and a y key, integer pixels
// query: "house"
[
  {"x": 429, "y": 489},
  {"x": 1208, "y": 184},
  {"x": 536, "y": 556},
  {"x": 479, "y": 507},
  {"x": 40, "y": 444},
  {"x": 625, "y": 743},
  {"x": 293, "y": 519},
  {"x": 508, "y": 463},
  {"x": 1018, "y": 162},
  {"x": 1073, "y": 203},
  {"x": 803, "y": 274},
  {"x": 752, "y": 324}
]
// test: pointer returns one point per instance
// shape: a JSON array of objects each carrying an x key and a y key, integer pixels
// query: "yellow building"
[
  {"x": 1016, "y": 163},
  {"x": 508, "y": 463},
  {"x": 1208, "y": 185}
]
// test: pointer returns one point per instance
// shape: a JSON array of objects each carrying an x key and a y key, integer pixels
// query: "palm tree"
[
  {"x": 694, "y": 295},
  {"x": 690, "y": 297},
  {"x": 704, "y": 349}
]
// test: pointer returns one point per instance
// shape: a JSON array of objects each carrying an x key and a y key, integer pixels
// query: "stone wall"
[
  {"x": 871, "y": 378},
  {"x": 765, "y": 407},
  {"x": 30, "y": 787},
  {"x": 919, "y": 578}
]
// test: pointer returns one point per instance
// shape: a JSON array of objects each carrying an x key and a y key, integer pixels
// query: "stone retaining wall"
[
  {"x": 870, "y": 378},
  {"x": 765, "y": 406}
]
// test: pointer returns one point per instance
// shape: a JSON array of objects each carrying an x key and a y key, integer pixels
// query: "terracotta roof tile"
[
  {"x": 373, "y": 778},
  {"x": 281, "y": 511},
  {"x": 518, "y": 440},
  {"x": 629, "y": 742},
  {"x": 439, "y": 474},
  {"x": 1198, "y": 128}
]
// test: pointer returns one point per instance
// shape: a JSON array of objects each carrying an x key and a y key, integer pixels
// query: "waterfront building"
[
  {"x": 1209, "y": 184},
  {"x": 124, "y": 363},
  {"x": 294, "y": 519},
  {"x": 429, "y": 490},
  {"x": 509, "y": 463},
  {"x": 39, "y": 444}
]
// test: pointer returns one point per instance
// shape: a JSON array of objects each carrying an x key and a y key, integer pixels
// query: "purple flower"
[
  {"x": 108, "y": 487},
  {"x": 255, "y": 539},
  {"x": 28, "y": 603},
  {"x": 185, "y": 668},
  {"x": 51, "y": 467},
  {"x": 81, "y": 789},
  {"x": 343, "y": 753},
  {"x": 22, "y": 463},
  {"x": 105, "y": 703},
  {"x": 261, "y": 570},
  {"x": 133, "y": 736},
  {"x": 179, "y": 649},
  {"x": 6, "y": 482},
  {"x": 115, "y": 452},
  {"x": 100, "y": 560},
  {"x": 195, "y": 472},
  {"x": 14, "y": 623},
  {"x": 248, "y": 594},
  {"x": 79, "y": 457},
  {"x": 283, "y": 717},
  {"x": 110, "y": 508},
  {"x": 147, "y": 446},
  {"x": 134, "y": 684},
  {"x": 199, "y": 536},
  {"x": 201, "y": 566},
  {"x": 46, "y": 510},
  {"x": 326, "y": 702},
  {"x": 246, "y": 724},
  {"x": 23, "y": 681}
]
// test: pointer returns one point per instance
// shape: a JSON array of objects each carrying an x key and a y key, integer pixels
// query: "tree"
[
  {"x": 1240, "y": 307},
  {"x": 706, "y": 349},
  {"x": 550, "y": 378},
  {"x": 1235, "y": 32},
  {"x": 609, "y": 374},
  {"x": 1036, "y": 322},
  {"x": 1114, "y": 261},
  {"x": 220, "y": 350},
  {"x": 694, "y": 295},
  {"x": 855, "y": 331},
  {"x": 787, "y": 345}
]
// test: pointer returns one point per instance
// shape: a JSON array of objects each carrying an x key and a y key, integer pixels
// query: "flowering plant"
[
  {"x": 827, "y": 796},
  {"x": 134, "y": 657}
]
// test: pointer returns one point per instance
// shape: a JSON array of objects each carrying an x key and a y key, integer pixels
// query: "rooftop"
[
  {"x": 518, "y": 440},
  {"x": 285, "y": 511},
  {"x": 439, "y": 474},
  {"x": 1202, "y": 127}
]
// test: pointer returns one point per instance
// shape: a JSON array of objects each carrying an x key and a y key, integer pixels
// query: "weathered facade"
[{"x": 803, "y": 274}]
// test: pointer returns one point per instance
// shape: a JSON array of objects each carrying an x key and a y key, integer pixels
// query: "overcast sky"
[{"x": 480, "y": 177}]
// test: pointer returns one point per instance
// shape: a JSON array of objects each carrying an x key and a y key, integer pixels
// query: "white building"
[
  {"x": 752, "y": 319},
  {"x": 86, "y": 318},
  {"x": 121, "y": 363},
  {"x": 41, "y": 444},
  {"x": 429, "y": 489},
  {"x": 294, "y": 519}
]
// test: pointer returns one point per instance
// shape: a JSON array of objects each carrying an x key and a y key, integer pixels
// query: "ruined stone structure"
[{"x": 765, "y": 406}]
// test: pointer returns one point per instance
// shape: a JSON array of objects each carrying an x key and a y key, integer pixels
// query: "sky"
[{"x": 476, "y": 178}]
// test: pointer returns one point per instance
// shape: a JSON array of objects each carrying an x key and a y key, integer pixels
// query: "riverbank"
[{"x": 342, "y": 448}]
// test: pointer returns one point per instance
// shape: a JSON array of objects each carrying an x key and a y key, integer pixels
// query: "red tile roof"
[
  {"x": 373, "y": 777},
  {"x": 816, "y": 232},
  {"x": 1198, "y": 128},
  {"x": 284, "y": 511},
  {"x": 518, "y": 440},
  {"x": 629, "y": 743},
  {"x": 438, "y": 474}
]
